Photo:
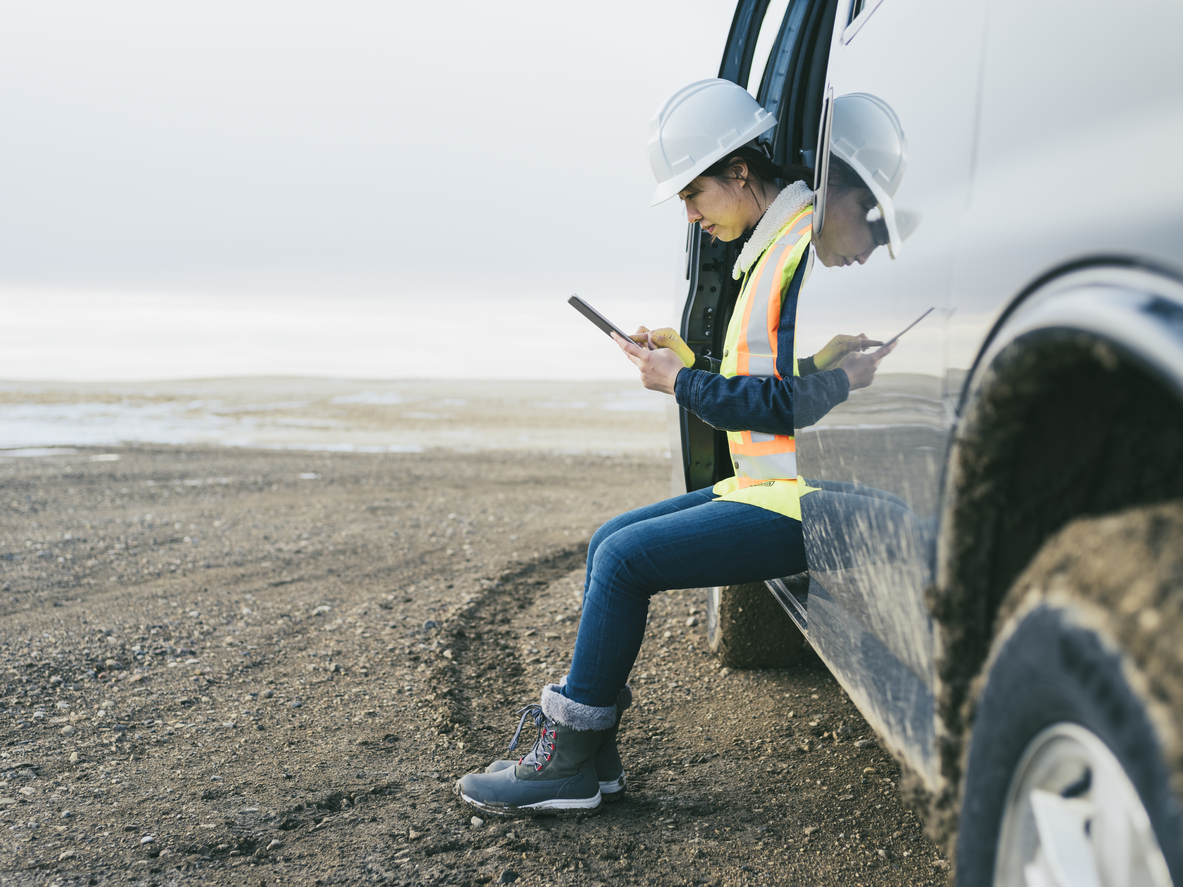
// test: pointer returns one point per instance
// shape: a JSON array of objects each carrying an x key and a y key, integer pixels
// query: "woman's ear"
[{"x": 740, "y": 168}]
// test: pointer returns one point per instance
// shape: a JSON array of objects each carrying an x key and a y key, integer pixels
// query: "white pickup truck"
[{"x": 1013, "y": 626}]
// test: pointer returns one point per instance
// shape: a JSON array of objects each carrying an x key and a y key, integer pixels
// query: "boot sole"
[
  {"x": 613, "y": 791},
  {"x": 556, "y": 806}
]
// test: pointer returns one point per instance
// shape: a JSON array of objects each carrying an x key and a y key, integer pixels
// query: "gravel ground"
[{"x": 241, "y": 666}]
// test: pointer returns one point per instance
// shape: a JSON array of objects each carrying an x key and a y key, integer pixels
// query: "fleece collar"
[{"x": 780, "y": 212}]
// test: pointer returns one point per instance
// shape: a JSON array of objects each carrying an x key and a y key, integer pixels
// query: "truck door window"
[
  {"x": 860, "y": 11},
  {"x": 769, "y": 28}
]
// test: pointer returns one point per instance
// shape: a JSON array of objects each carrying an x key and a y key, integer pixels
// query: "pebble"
[
  {"x": 65, "y": 854},
  {"x": 69, "y": 730},
  {"x": 868, "y": 771},
  {"x": 73, "y": 757},
  {"x": 148, "y": 839},
  {"x": 430, "y": 624},
  {"x": 267, "y": 694},
  {"x": 882, "y": 853},
  {"x": 508, "y": 877},
  {"x": 691, "y": 622},
  {"x": 113, "y": 664},
  {"x": 295, "y": 703},
  {"x": 810, "y": 829},
  {"x": 414, "y": 835},
  {"x": 66, "y": 814},
  {"x": 477, "y": 822},
  {"x": 274, "y": 844},
  {"x": 865, "y": 743}
]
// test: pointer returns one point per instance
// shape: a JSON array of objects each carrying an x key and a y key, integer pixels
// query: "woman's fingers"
[{"x": 659, "y": 368}]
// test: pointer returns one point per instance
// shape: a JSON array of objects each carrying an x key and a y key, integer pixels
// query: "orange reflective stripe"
[{"x": 780, "y": 443}]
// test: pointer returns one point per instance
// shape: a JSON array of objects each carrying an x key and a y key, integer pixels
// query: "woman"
[{"x": 748, "y": 527}]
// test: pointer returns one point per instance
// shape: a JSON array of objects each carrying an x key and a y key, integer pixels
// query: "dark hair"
[
  {"x": 760, "y": 167},
  {"x": 842, "y": 175}
]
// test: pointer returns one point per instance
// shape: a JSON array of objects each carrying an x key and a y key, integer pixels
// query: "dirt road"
[{"x": 229, "y": 666}]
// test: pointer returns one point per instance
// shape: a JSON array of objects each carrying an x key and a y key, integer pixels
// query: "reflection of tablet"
[
  {"x": 908, "y": 327},
  {"x": 597, "y": 318}
]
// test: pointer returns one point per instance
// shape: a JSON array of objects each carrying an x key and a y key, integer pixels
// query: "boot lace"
[{"x": 544, "y": 743}]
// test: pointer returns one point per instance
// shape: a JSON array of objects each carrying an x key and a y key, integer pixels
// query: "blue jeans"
[{"x": 689, "y": 541}]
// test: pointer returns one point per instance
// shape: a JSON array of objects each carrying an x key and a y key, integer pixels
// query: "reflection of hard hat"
[
  {"x": 696, "y": 126},
  {"x": 866, "y": 133}
]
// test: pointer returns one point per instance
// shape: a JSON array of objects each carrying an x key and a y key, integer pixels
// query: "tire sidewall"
[{"x": 1053, "y": 668}]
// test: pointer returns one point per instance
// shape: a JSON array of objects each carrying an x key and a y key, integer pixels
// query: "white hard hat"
[
  {"x": 867, "y": 134},
  {"x": 696, "y": 126}
]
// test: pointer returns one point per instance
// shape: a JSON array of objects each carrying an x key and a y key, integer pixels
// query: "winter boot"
[
  {"x": 557, "y": 774},
  {"x": 609, "y": 768}
]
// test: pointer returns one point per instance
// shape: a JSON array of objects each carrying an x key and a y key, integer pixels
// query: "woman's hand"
[
  {"x": 659, "y": 367},
  {"x": 840, "y": 346},
  {"x": 860, "y": 368}
]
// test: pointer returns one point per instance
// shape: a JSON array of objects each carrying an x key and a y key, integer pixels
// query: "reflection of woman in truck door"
[{"x": 748, "y": 527}]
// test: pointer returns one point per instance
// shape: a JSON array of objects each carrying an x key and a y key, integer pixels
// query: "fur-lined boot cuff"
[
  {"x": 575, "y": 715},
  {"x": 624, "y": 699}
]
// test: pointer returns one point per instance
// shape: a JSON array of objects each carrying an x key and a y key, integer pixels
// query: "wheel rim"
[{"x": 1073, "y": 819}]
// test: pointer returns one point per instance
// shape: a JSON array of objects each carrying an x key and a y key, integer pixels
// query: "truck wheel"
[
  {"x": 746, "y": 628},
  {"x": 1075, "y": 763}
]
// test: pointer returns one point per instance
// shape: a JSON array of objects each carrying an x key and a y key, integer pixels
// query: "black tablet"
[{"x": 597, "y": 318}]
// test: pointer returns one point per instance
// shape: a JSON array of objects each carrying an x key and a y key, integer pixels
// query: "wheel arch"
[{"x": 1074, "y": 408}]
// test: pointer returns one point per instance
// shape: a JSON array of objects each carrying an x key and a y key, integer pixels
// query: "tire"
[
  {"x": 747, "y": 628},
  {"x": 1075, "y": 718}
]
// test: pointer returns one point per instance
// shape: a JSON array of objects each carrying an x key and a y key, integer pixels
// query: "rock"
[
  {"x": 430, "y": 624},
  {"x": 27, "y": 790},
  {"x": 882, "y": 853},
  {"x": 267, "y": 694},
  {"x": 868, "y": 771},
  {"x": 691, "y": 622},
  {"x": 66, "y": 814},
  {"x": 477, "y": 822},
  {"x": 73, "y": 757},
  {"x": 810, "y": 829},
  {"x": 65, "y": 854},
  {"x": 69, "y": 730},
  {"x": 295, "y": 703},
  {"x": 508, "y": 877},
  {"x": 413, "y": 835},
  {"x": 148, "y": 839},
  {"x": 865, "y": 743},
  {"x": 113, "y": 664},
  {"x": 5, "y": 802},
  {"x": 274, "y": 845}
]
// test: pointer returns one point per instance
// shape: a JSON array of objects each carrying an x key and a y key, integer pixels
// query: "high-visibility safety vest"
[{"x": 765, "y": 464}]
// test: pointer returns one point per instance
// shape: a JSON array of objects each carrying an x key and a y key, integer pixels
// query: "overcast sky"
[{"x": 282, "y": 147}]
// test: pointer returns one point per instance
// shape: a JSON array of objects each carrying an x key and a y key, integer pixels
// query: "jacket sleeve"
[{"x": 769, "y": 405}]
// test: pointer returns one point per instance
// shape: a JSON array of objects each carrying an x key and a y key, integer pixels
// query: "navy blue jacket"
[{"x": 750, "y": 403}]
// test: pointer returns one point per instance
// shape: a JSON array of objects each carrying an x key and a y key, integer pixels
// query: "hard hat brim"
[{"x": 670, "y": 187}]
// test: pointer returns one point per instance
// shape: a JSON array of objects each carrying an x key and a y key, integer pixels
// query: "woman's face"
[
  {"x": 724, "y": 210},
  {"x": 847, "y": 236}
]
